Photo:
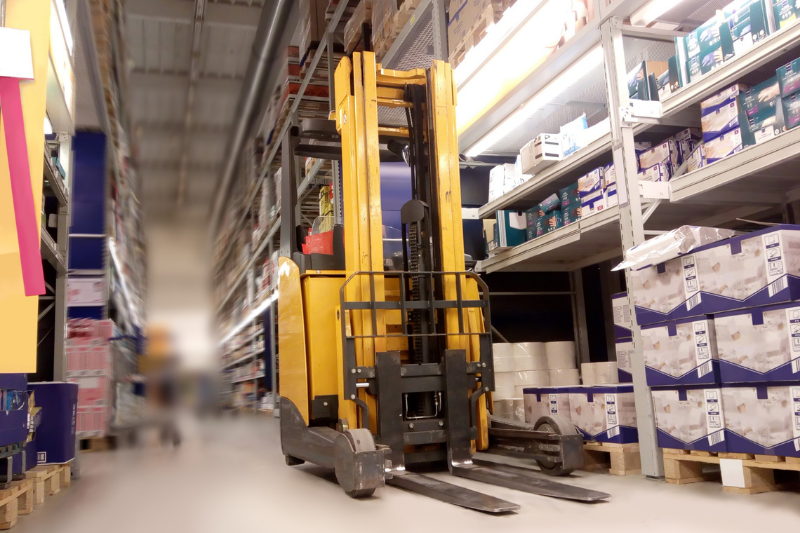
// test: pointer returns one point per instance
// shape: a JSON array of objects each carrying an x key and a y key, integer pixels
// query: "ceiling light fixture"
[
  {"x": 546, "y": 95},
  {"x": 652, "y": 10}
]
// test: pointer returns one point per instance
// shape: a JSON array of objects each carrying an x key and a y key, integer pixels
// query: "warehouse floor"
[{"x": 230, "y": 476}]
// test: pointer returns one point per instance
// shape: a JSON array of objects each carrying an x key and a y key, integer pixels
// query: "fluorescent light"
[
  {"x": 546, "y": 95},
  {"x": 48, "y": 127},
  {"x": 513, "y": 17},
  {"x": 250, "y": 317},
  {"x": 65, "y": 29},
  {"x": 652, "y": 10}
]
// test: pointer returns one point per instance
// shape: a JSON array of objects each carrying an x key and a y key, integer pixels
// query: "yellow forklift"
[{"x": 386, "y": 363}]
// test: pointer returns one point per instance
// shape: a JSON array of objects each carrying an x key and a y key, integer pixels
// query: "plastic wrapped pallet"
[
  {"x": 546, "y": 401},
  {"x": 504, "y": 385},
  {"x": 604, "y": 413},
  {"x": 564, "y": 377},
  {"x": 503, "y": 357},
  {"x": 560, "y": 354},
  {"x": 587, "y": 374},
  {"x": 605, "y": 373},
  {"x": 530, "y": 356}
]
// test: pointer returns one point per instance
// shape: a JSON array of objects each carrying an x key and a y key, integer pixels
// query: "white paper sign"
[
  {"x": 86, "y": 292},
  {"x": 16, "y": 61}
]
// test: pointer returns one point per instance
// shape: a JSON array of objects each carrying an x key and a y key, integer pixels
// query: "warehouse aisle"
[{"x": 229, "y": 477}]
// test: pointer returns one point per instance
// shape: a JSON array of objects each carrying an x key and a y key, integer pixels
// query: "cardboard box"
[
  {"x": 723, "y": 97},
  {"x": 762, "y": 419},
  {"x": 724, "y": 145},
  {"x": 638, "y": 79},
  {"x": 510, "y": 229},
  {"x": 550, "y": 203},
  {"x": 660, "y": 172},
  {"x": 681, "y": 352},
  {"x": 765, "y": 94},
  {"x": 55, "y": 436},
  {"x": 785, "y": 11},
  {"x": 622, "y": 315},
  {"x": 659, "y": 154},
  {"x": 93, "y": 391},
  {"x": 570, "y": 197},
  {"x": 791, "y": 110},
  {"x": 570, "y": 215},
  {"x": 690, "y": 418},
  {"x": 532, "y": 214},
  {"x": 569, "y": 135},
  {"x": 610, "y": 185},
  {"x": 624, "y": 349},
  {"x": 545, "y": 401},
  {"x": 541, "y": 152},
  {"x": 760, "y": 344},
  {"x": 549, "y": 222},
  {"x": 500, "y": 178},
  {"x": 697, "y": 159},
  {"x": 759, "y": 268},
  {"x": 746, "y": 25},
  {"x": 605, "y": 413},
  {"x": 720, "y": 119}
]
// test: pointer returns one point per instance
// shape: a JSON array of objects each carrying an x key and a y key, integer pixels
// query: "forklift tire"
[
  {"x": 559, "y": 425},
  {"x": 293, "y": 461},
  {"x": 363, "y": 493}
]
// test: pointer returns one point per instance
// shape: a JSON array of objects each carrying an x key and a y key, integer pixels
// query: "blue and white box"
[
  {"x": 720, "y": 119},
  {"x": 13, "y": 409},
  {"x": 590, "y": 190},
  {"x": 724, "y": 145},
  {"x": 690, "y": 418},
  {"x": 762, "y": 419},
  {"x": 624, "y": 350},
  {"x": 610, "y": 185},
  {"x": 759, "y": 268},
  {"x": 604, "y": 414},
  {"x": 545, "y": 401},
  {"x": 681, "y": 352},
  {"x": 760, "y": 344},
  {"x": 55, "y": 437},
  {"x": 621, "y": 310}
]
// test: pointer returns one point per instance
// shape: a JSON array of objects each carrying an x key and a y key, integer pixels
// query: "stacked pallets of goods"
[{"x": 470, "y": 20}]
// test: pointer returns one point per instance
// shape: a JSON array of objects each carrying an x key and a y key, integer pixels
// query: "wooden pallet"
[
  {"x": 619, "y": 459},
  {"x": 14, "y": 501},
  {"x": 97, "y": 444},
  {"x": 384, "y": 37},
  {"x": 682, "y": 467},
  {"x": 48, "y": 479},
  {"x": 488, "y": 18}
]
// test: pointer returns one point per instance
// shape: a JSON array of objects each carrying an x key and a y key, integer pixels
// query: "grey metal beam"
[
  {"x": 216, "y": 13},
  {"x": 152, "y": 79}
]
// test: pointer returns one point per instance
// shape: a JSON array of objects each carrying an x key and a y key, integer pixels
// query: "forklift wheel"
[
  {"x": 561, "y": 426},
  {"x": 293, "y": 461},
  {"x": 363, "y": 493}
]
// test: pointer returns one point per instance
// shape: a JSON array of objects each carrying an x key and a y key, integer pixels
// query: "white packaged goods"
[
  {"x": 659, "y": 154},
  {"x": 532, "y": 378},
  {"x": 697, "y": 159},
  {"x": 759, "y": 344},
  {"x": 569, "y": 135},
  {"x": 590, "y": 190},
  {"x": 681, "y": 352},
  {"x": 690, "y": 419},
  {"x": 762, "y": 419},
  {"x": 504, "y": 385},
  {"x": 500, "y": 178},
  {"x": 605, "y": 413},
  {"x": 723, "y": 96},
  {"x": 584, "y": 138},
  {"x": 530, "y": 356},
  {"x": 721, "y": 119},
  {"x": 587, "y": 374},
  {"x": 605, "y": 373},
  {"x": 503, "y": 408},
  {"x": 622, "y": 315},
  {"x": 624, "y": 350},
  {"x": 503, "y": 357},
  {"x": 546, "y": 401},
  {"x": 564, "y": 377},
  {"x": 610, "y": 185},
  {"x": 658, "y": 173},
  {"x": 560, "y": 354},
  {"x": 541, "y": 152},
  {"x": 672, "y": 244},
  {"x": 518, "y": 406},
  {"x": 724, "y": 145}
]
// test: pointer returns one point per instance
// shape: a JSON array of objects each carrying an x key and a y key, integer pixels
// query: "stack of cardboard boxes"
[
  {"x": 721, "y": 343},
  {"x": 90, "y": 365}
]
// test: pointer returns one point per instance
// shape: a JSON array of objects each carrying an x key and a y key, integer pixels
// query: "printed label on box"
[
  {"x": 796, "y": 425},
  {"x": 702, "y": 350},
  {"x": 714, "y": 423},
  {"x": 41, "y": 457},
  {"x": 793, "y": 319},
  {"x": 553, "y": 404},
  {"x": 690, "y": 282},
  {"x": 774, "y": 260},
  {"x": 611, "y": 416}
]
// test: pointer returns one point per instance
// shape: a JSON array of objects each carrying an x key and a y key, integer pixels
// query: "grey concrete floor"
[{"x": 229, "y": 476}]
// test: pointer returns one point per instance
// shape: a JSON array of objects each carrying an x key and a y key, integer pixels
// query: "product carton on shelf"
[
  {"x": 570, "y": 203},
  {"x": 760, "y": 344},
  {"x": 746, "y": 24},
  {"x": 624, "y": 349},
  {"x": 610, "y": 185},
  {"x": 606, "y": 413},
  {"x": 622, "y": 315},
  {"x": 569, "y": 135},
  {"x": 502, "y": 179},
  {"x": 724, "y": 145},
  {"x": 642, "y": 80},
  {"x": 697, "y": 159},
  {"x": 789, "y": 77},
  {"x": 791, "y": 110},
  {"x": 590, "y": 189},
  {"x": 762, "y": 419},
  {"x": 541, "y": 152},
  {"x": 549, "y": 222},
  {"x": 690, "y": 418},
  {"x": 720, "y": 119},
  {"x": 759, "y": 268},
  {"x": 681, "y": 352},
  {"x": 545, "y": 401},
  {"x": 510, "y": 230},
  {"x": 786, "y": 12}
]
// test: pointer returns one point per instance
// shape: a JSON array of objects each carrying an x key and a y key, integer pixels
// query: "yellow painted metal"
[
  {"x": 401, "y": 78},
  {"x": 392, "y": 102},
  {"x": 320, "y": 300},
  {"x": 291, "y": 336},
  {"x": 392, "y": 93},
  {"x": 347, "y": 408},
  {"x": 18, "y": 313},
  {"x": 389, "y": 131}
]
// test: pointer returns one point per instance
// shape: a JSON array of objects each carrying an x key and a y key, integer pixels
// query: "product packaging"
[
  {"x": 549, "y": 222},
  {"x": 610, "y": 185},
  {"x": 541, "y": 152},
  {"x": 690, "y": 418},
  {"x": 786, "y": 12},
  {"x": 697, "y": 159},
  {"x": 761, "y": 96},
  {"x": 550, "y": 203},
  {"x": 791, "y": 110},
  {"x": 762, "y": 419},
  {"x": 604, "y": 413},
  {"x": 569, "y": 132},
  {"x": 510, "y": 229},
  {"x": 545, "y": 401},
  {"x": 681, "y": 352},
  {"x": 569, "y": 195},
  {"x": 624, "y": 349},
  {"x": 723, "y": 97},
  {"x": 639, "y": 86},
  {"x": 719, "y": 120},
  {"x": 724, "y": 145},
  {"x": 622, "y": 315},
  {"x": 590, "y": 189},
  {"x": 760, "y": 344},
  {"x": 503, "y": 357},
  {"x": 498, "y": 177}
]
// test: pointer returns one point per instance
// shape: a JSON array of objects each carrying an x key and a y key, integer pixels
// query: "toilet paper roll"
[
  {"x": 587, "y": 373},
  {"x": 504, "y": 379},
  {"x": 504, "y": 393},
  {"x": 519, "y": 390},
  {"x": 532, "y": 378},
  {"x": 519, "y": 409},
  {"x": 564, "y": 377},
  {"x": 503, "y": 357},
  {"x": 504, "y": 408},
  {"x": 560, "y": 355},
  {"x": 606, "y": 373},
  {"x": 530, "y": 356}
]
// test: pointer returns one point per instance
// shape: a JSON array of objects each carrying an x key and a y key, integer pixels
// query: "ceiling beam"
[
  {"x": 141, "y": 79},
  {"x": 215, "y": 13}
]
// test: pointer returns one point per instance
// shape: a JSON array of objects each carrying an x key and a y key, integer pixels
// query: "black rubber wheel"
[
  {"x": 560, "y": 426},
  {"x": 292, "y": 461},
  {"x": 363, "y": 493}
]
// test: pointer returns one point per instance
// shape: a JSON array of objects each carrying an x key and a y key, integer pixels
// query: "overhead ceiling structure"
[{"x": 188, "y": 60}]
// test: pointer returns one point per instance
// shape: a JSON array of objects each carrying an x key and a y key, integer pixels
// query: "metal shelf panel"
[
  {"x": 249, "y": 378},
  {"x": 236, "y": 362},
  {"x": 762, "y": 174},
  {"x": 50, "y": 252},
  {"x": 773, "y": 48},
  {"x": 53, "y": 177},
  {"x": 413, "y": 47},
  {"x": 592, "y": 239}
]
